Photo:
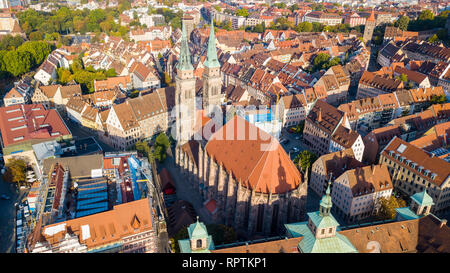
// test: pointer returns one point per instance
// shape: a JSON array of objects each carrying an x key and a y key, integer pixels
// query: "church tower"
[
  {"x": 369, "y": 27},
  {"x": 184, "y": 93},
  {"x": 212, "y": 83}
]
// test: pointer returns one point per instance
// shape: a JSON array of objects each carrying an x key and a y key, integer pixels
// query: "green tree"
[
  {"x": 403, "y": 77},
  {"x": 293, "y": 7},
  {"x": 36, "y": 36},
  {"x": 110, "y": 73},
  {"x": 320, "y": 60},
  {"x": 18, "y": 62},
  {"x": 305, "y": 159},
  {"x": 387, "y": 206},
  {"x": 438, "y": 99},
  {"x": 162, "y": 143},
  {"x": 402, "y": 23},
  {"x": 242, "y": 12},
  {"x": 9, "y": 42},
  {"x": 304, "y": 27},
  {"x": 426, "y": 15},
  {"x": 16, "y": 171},
  {"x": 258, "y": 28},
  {"x": 39, "y": 50},
  {"x": 433, "y": 39}
]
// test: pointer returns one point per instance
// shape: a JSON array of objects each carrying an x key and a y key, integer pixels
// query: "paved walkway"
[{"x": 185, "y": 191}]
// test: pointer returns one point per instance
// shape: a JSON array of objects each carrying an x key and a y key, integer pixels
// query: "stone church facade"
[
  {"x": 235, "y": 178},
  {"x": 239, "y": 206}
]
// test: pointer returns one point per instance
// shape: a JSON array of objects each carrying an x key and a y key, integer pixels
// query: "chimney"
[
  {"x": 443, "y": 223},
  {"x": 319, "y": 118}
]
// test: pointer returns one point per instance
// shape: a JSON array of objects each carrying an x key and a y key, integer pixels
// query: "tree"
[
  {"x": 438, "y": 99},
  {"x": 242, "y": 12},
  {"x": 305, "y": 159},
  {"x": 320, "y": 60},
  {"x": 433, "y": 39},
  {"x": 39, "y": 50},
  {"x": 9, "y": 42},
  {"x": 36, "y": 36},
  {"x": 162, "y": 143},
  {"x": 304, "y": 27},
  {"x": 402, "y": 23},
  {"x": 387, "y": 206},
  {"x": 426, "y": 15},
  {"x": 332, "y": 62},
  {"x": 110, "y": 73},
  {"x": 167, "y": 79},
  {"x": 403, "y": 77},
  {"x": 258, "y": 28},
  {"x": 18, "y": 62},
  {"x": 16, "y": 171},
  {"x": 293, "y": 7},
  {"x": 218, "y": 8}
]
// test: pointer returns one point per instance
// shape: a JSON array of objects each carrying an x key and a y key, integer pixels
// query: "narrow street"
[{"x": 185, "y": 191}]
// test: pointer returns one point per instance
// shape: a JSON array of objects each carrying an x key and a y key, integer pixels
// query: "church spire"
[
  {"x": 326, "y": 203},
  {"x": 184, "y": 62},
  {"x": 211, "y": 57}
]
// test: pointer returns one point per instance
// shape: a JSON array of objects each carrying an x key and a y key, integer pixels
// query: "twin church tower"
[{"x": 185, "y": 85}]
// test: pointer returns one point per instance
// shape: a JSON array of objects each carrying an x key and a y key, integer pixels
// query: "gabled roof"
[{"x": 252, "y": 155}]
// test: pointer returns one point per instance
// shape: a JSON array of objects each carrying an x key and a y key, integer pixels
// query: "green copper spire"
[
  {"x": 184, "y": 62},
  {"x": 326, "y": 203},
  {"x": 211, "y": 58}
]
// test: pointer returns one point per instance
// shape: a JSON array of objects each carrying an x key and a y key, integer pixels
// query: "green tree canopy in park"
[{"x": 39, "y": 50}]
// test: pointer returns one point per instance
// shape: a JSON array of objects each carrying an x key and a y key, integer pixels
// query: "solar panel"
[
  {"x": 89, "y": 212},
  {"x": 90, "y": 201}
]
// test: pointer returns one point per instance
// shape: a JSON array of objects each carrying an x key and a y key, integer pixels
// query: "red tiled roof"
[
  {"x": 254, "y": 157},
  {"x": 20, "y": 123}
]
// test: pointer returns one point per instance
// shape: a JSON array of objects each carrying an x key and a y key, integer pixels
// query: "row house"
[
  {"x": 55, "y": 96},
  {"x": 371, "y": 85},
  {"x": 81, "y": 112},
  {"x": 331, "y": 164},
  {"x": 320, "y": 124},
  {"x": 138, "y": 118},
  {"x": 415, "y": 79},
  {"x": 127, "y": 228},
  {"x": 425, "y": 51},
  {"x": 435, "y": 140},
  {"x": 151, "y": 33},
  {"x": 291, "y": 109},
  {"x": 356, "y": 193},
  {"x": 354, "y": 20},
  {"x": 143, "y": 77},
  {"x": 335, "y": 81},
  {"x": 389, "y": 54},
  {"x": 20, "y": 93},
  {"x": 413, "y": 170},
  {"x": 330, "y": 19},
  {"x": 47, "y": 70},
  {"x": 123, "y": 82},
  {"x": 344, "y": 138}
]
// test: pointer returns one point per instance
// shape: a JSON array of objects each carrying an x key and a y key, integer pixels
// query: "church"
[{"x": 242, "y": 173}]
